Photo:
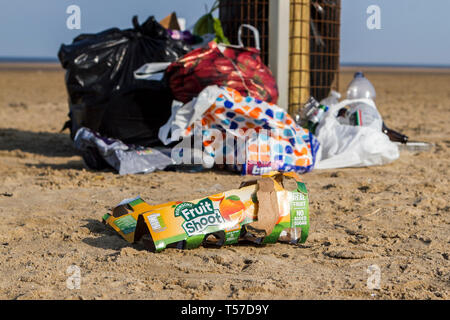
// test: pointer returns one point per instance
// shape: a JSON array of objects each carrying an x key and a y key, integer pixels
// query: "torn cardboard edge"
[
  {"x": 267, "y": 211},
  {"x": 135, "y": 220},
  {"x": 171, "y": 22}
]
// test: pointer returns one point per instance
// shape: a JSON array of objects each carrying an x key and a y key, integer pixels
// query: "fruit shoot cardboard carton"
[{"x": 261, "y": 211}]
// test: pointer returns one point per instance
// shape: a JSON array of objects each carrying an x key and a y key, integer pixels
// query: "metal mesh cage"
[
  {"x": 233, "y": 13},
  {"x": 324, "y": 47},
  {"x": 323, "y": 44}
]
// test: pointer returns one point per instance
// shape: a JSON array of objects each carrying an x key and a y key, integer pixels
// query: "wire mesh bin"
[
  {"x": 233, "y": 13},
  {"x": 324, "y": 47},
  {"x": 314, "y": 36}
]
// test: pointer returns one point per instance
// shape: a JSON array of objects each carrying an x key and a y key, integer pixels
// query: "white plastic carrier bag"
[{"x": 352, "y": 146}]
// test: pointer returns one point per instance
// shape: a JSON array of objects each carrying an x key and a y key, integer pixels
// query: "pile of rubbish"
[
  {"x": 156, "y": 97},
  {"x": 351, "y": 132}
]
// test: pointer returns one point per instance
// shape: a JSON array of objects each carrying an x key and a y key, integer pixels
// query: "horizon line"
[{"x": 7, "y": 59}]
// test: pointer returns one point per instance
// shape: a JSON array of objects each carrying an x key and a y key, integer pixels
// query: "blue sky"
[{"x": 412, "y": 31}]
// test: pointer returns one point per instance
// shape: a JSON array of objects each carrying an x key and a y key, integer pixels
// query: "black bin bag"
[{"x": 104, "y": 96}]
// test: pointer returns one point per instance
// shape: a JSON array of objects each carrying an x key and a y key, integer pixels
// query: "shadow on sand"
[
  {"x": 48, "y": 144},
  {"x": 107, "y": 238}
]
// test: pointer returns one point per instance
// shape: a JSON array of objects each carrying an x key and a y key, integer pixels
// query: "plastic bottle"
[
  {"x": 311, "y": 114},
  {"x": 315, "y": 119},
  {"x": 332, "y": 99},
  {"x": 290, "y": 235},
  {"x": 360, "y": 87},
  {"x": 363, "y": 115},
  {"x": 360, "y": 114},
  {"x": 306, "y": 112}
]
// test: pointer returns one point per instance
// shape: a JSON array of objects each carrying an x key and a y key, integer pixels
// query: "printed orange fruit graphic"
[
  {"x": 231, "y": 205},
  {"x": 217, "y": 197}
]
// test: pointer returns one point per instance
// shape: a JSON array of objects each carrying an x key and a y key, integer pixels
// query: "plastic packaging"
[
  {"x": 352, "y": 146},
  {"x": 332, "y": 99},
  {"x": 360, "y": 114},
  {"x": 360, "y": 87},
  {"x": 105, "y": 96},
  {"x": 185, "y": 36},
  {"x": 262, "y": 212},
  {"x": 415, "y": 146},
  {"x": 271, "y": 138},
  {"x": 311, "y": 114},
  {"x": 151, "y": 71},
  {"x": 99, "y": 152},
  {"x": 236, "y": 67}
]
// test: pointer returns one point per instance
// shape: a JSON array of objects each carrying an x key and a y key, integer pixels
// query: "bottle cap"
[{"x": 359, "y": 74}]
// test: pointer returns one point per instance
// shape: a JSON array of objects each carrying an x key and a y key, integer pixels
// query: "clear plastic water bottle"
[
  {"x": 360, "y": 114},
  {"x": 360, "y": 87}
]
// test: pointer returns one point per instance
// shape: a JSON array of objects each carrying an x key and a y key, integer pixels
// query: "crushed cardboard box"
[{"x": 261, "y": 211}]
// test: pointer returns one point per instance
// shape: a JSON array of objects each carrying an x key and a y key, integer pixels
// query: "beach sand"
[{"x": 395, "y": 216}]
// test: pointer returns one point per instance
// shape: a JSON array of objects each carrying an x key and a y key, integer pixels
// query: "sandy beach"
[{"x": 395, "y": 217}]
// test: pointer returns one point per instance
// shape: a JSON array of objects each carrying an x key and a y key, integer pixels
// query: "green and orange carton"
[{"x": 261, "y": 211}]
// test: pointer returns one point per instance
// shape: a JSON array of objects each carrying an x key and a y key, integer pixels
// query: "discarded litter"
[
  {"x": 275, "y": 142},
  {"x": 207, "y": 24},
  {"x": 360, "y": 113},
  {"x": 395, "y": 136},
  {"x": 99, "y": 152},
  {"x": 344, "y": 145},
  {"x": 100, "y": 81},
  {"x": 236, "y": 67},
  {"x": 185, "y": 36},
  {"x": 415, "y": 146},
  {"x": 148, "y": 87},
  {"x": 351, "y": 132},
  {"x": 311, "y": 114},
  {"x": 360, "y": 87},
  {"x": 170, "y": 22},
  {"x": 261, "y": 212}
]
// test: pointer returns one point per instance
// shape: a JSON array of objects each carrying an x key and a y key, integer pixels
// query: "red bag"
[{"x": 224, "y": 65}]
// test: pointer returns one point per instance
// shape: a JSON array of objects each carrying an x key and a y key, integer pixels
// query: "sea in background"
[{"x": 344, "y": 66}]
